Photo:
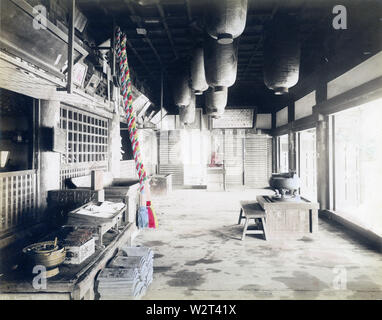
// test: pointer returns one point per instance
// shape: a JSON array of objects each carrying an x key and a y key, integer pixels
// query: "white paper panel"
[
  {"x": 304, "y": 106},
  {"x": 264, "y": 121},
  {"x": 282, "y": 117}
]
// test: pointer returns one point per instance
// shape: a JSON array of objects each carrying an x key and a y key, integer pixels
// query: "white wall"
[
  {"x": 282, "y": 117},
  {"x": 304, "y": 106},
  {"x": 264, "y": 121},
  {"x": 364, "y": 72}
]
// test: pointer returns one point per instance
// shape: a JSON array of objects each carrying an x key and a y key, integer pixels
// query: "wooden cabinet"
[{"x": 215, "y": 178}]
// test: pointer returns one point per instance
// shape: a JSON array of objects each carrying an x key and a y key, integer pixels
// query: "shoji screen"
[
  {"x": 257, "y": 161},
  {"x": 170, "y": 155},
  {"x": 233, "y": 157}
]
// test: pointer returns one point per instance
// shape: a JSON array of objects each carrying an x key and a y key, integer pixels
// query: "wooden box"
[
  {"x": 127, "y": 191},
  {"x": 77, "y": 255},
  {"x": 215, "y": 178},
  {"x": 74, "y": 197},
  {"x": 161, "y": 185}
]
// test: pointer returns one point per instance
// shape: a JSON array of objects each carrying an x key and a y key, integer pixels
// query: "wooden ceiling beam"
[
  {"x": 189, "y": 12},
  {"x": 259, "y": 43},
  {"x": 145, "y": 37},
  {"x": 162, "y": 14}
]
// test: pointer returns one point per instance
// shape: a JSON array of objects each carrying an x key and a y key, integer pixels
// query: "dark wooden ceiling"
[{"x": 174, "y": 26}]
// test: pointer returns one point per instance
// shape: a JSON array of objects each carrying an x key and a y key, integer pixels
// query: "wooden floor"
[{"x": 199, "y": 255}]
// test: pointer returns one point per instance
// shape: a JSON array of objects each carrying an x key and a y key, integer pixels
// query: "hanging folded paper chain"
[
  {"x": 146, "y": 215},
  {"x": 128, "y": 100}
]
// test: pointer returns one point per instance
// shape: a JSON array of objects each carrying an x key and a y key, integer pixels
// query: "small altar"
[{"x": 289, "y": 219}]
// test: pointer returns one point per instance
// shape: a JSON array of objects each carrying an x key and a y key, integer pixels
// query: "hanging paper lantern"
[
  {"x": 282, "y": 50},
  {"x": 182, "y": 90},
  {"x": 225, "y": 19},
  {"x": 220, "y": 63},
  {"x": 198, "y": 77},
  {"x": 216, "y": 101},
  {"x": 187, "y": 113}
]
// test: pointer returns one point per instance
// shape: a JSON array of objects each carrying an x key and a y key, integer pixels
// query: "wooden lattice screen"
[
  {"x": 87, "y": 142},
  {"x": 18, "y": 198}
]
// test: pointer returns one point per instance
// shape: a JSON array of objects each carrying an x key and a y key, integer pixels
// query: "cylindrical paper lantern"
[
  {"x": 281, "y": 53},
  {"x": 187, "y": 113},
  {"x": 225, "y": 19},
  {"x": 216, "y": 101},
  {"x": 181, "y": 89},
  {"x": 198, "y": 77},
  {"x": 220, "y": 63}
]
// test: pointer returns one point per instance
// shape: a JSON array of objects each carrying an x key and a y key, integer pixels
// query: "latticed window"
[
  {"x": 87, "y": 136},
  {"x": 87, "y": 142}
]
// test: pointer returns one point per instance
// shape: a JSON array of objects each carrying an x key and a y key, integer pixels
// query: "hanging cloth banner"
[{"x": 128, "y": 105}]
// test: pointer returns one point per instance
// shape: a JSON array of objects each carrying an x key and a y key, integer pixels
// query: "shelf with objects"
[{"x": 75, "y": 279}]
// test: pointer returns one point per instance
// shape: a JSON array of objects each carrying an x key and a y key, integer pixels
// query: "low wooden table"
[
  {"x": 289, "y": 219},
  {"x": 252, "y": 210}
]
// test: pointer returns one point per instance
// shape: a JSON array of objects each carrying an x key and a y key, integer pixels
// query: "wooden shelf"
[{"x": 73, "y": 281}]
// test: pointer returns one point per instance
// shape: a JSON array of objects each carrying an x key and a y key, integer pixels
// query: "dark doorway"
[
  {"x": 16, "y": 131},
  {"x": 126, "y": 143}
]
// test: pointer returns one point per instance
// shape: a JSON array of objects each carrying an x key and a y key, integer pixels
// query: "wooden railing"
[
  {"x": 18, "y": 199},
  {"x": 74, "y": 170}
]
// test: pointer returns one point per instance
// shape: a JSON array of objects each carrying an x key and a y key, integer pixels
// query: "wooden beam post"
[
  {"x": 292, "y": 145},
  {"x": 49, "y": 166},
  {"x": 323, "y": 167},
  {"x": 72, "y": 14}
]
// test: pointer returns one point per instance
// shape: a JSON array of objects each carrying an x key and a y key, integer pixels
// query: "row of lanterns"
[{"x": 213, "y": 65}]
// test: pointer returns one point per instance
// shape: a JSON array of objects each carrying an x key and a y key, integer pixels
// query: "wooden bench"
[{"x": 252, "y": 210}]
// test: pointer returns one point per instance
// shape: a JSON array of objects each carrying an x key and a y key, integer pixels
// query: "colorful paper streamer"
[{"x": 128, "y": 105}]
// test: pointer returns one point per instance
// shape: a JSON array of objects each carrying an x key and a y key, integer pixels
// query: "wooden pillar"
[
  {"x": 273, "y": 120},
  {"x": 49, "y": 160},
  {"x": 321, "y": 89},
  {"x": 323, "y": 178},
  {"x": 274, "y": 154},
  {"x": 292, "y": 151},
  {"x": 274, "y": 144},
  {"x": 322, "y": 147},
  {"x": 115, "y": 146}
]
